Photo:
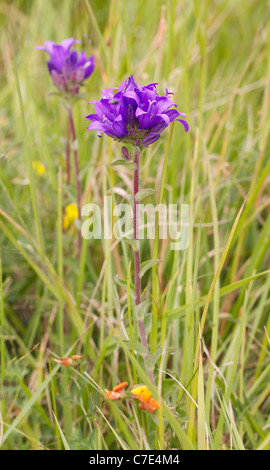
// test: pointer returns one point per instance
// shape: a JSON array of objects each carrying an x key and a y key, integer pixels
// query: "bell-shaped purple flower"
[
  {"x": 67, "y": 68},
  {"x": 134, "y": 114}
]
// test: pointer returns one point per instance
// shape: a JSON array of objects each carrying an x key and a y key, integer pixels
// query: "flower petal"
[
  {"x": 89, "y": 67},
  {"x": 138, "y": 390},
  {"x": 120, "y": 387},
  {"x": 97, "y": 125},
  {"x": 185, "y": 124},
  {"x": 68, "y": 43},
  {"x": 132, "y": 95},
  {"x": 92, "y": 117},
  {"x": 150, "y": 139}
]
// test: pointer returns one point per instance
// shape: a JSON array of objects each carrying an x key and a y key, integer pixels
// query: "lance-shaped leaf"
[
  {"x": 137, "y": 347},
  {"x": 150, "y": 362},
  {"x": 144, "y": 193},
  {"x": 123, "y": 283},
  {"x": 134, "y": 243},
  {"x": 141, "y": 310},
  {"x": 130, "y": 165},
  {"x": 148, "y": 265}
]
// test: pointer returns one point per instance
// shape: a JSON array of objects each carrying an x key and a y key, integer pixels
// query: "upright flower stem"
[
  {"x": 76, "y": 162},
  {"x": 136, "y": 207},
  {"x": 68, "y": 154}
]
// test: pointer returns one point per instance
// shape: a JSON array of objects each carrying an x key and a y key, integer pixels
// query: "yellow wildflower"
[
  {"x": 39, "y": 168},
  {"x": 71, "y": 214}
]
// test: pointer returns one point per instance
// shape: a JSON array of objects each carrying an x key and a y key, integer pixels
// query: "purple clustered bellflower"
[
  {"x": 67, "y": 69},
  {"x": 134, "y": 114}
]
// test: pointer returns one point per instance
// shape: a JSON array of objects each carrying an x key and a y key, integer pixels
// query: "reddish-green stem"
[
  {"x": 136, "y": 207},
  {"x": 68, "y": 154}
]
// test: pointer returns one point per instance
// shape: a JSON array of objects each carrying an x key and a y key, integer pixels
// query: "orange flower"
[
  {"x": 67, "y": 361},
  {"x": 150, "y": 405},
  {"x": 117, "y": 392},
  {"x": 112, "y": 396},
  {"x": 120, "y": 387},
  {"x": 144, "y": 395}
]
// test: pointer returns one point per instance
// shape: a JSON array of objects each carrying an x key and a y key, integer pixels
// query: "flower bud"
[{"x": 125, "y": 153}]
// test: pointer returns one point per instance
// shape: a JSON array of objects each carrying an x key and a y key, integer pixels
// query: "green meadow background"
[{"x": 208, "y": 306}]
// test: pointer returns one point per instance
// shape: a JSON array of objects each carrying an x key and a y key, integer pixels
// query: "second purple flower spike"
[
  {"x": 67, "y": 69},
  {"x": 134, "y": 114}
]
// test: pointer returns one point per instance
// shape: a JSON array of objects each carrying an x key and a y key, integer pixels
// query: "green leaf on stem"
[
  {"x": 138, "y": 347},
  {"x": 148, "y": 265},
  {"x": 123, "y": 283},
  {"x": 150, "y": 362},
  {"x": 130, "y": 200},
  {"x": 134, "y": 243},
  {"x": 144, "y": 193},
  {"x": 148, "y": 322},
  {"x": 130, "y": 165},
  {"x": 141, "y": 310}
]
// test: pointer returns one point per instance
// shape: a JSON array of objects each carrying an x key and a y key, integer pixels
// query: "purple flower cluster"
[
  {"x": 134, "y": 114},
  {"x": 67, "y": 69}
]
